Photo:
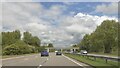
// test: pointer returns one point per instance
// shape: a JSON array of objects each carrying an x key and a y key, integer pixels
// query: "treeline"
[
  {"x": 103, "y": 39},
  {"x": 13, "y": 44}
]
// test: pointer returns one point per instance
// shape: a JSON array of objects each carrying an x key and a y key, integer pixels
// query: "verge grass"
[{"x": 98, "y": 63}]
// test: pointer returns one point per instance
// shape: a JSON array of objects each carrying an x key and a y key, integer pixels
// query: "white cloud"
[
  {"x": 70, "y": 3},
  {"x": 54, "y": 11},
  {"x": 35, "y": 26},
  {"x": 78, "y": 28},
  {"x": 50, "y": 24},
  {"x": 16, "y": 0},
  {"x": 85, "y": 23},
  {"x": 111, "y": 8}
]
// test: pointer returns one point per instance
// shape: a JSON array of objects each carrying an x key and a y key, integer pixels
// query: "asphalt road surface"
[{"x": 38, "y": 61}]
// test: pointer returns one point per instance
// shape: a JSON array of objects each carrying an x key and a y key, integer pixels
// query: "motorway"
[{"x": 38, "y": 61}]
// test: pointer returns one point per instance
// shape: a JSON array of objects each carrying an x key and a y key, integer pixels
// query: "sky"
[{"x": 60, "y": 23}]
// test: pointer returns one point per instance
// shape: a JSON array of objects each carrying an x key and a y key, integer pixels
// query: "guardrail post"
[
  {"x": 94, "y": 58},
  {"x": 106, "y": 60},
  {"x": 88, "y": 57}
]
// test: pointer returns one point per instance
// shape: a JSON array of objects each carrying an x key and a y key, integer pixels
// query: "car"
[
  {"x": 58, "y": 53},
  {"x": 44, "y": 53},
  {"x": 71, "y": 52},
  {"x": 83, "y": 52}
]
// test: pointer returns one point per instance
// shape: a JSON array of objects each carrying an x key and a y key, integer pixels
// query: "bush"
[
  {"x": 18, "y": 48},
  {"x": 41, "y": 48}
]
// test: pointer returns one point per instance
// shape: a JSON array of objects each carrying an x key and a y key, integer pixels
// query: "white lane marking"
[
  {"x": 39, "y": 66},
  {"x": 72, "y": 60},
  {"x": 36, "y": 56},
  {"x": 0, "y": 65},
  {"x": 13, "y": 58},
  {"x": 47, "y": 58}
]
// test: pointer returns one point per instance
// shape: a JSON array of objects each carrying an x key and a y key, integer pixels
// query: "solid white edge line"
[{"x": 72, "y": 60}]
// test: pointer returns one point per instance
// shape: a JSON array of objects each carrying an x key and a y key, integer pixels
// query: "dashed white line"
[
  {"x": 40, "y": 65},
  {"x": 47, "y": 58},
  {"x": 72, "y": 60},
  {"x": 36, "y": 56}
]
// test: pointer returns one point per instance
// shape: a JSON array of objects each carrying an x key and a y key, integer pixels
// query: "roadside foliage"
[
  {"x": 103, "y": 39},
  {"x": 13, "y": 44}
]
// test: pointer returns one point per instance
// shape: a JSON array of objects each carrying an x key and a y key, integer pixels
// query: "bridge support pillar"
[{"x": 48, "y": 49}]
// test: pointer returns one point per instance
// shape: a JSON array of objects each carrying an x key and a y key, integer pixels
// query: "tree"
[
  {"x": 27, "y": 38},
  {"x": 10, "y": 37},
  {"x": 35, "y": 41},
  {"x": 31, "y": 40},
  {"x": 12, "y": 43},
  {"x": 103, "y": 39},
  {"x": 109, "y": 33},
  {"x": 17, "y": 48},
  {"x": 75, "y": 45},
  {"x": 85, "y": 43},
  {"x": 50, "y": 45}
]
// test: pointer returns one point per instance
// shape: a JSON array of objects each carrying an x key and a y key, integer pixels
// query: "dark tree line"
[
  {"x": 10, "y": 37},
  {"x": 103, "y": 39},
  {"x": 12, "y": 43},
  {"x": 50, "y": 45},
  {"x": 31, "y": 40}
]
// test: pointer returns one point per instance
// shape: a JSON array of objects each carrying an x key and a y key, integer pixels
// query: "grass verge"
[
  {"x": 98, "y": 63},
  {"x": 100, "y": 53}
]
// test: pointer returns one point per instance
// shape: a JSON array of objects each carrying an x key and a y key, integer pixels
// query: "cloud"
[
  {"x": 33, "y": 17},
  {"x": 16, "y": 0},
  {"x": 70, "y": 3},
  {"x": 80, "y": 24},
  {"x": 36, "y": 26},
  {"x": 50, "y": 24},
  {"x": 85, "y": 23},
  {"x": 78, "y": 28},
  {"x": 54, "y": 11},
  {"x": 111, "y": 8}
]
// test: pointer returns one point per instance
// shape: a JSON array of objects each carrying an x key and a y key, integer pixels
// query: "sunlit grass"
[{"x": 108, "y": 54}]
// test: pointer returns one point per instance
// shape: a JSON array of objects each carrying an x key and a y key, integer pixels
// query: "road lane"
[
  {"x": 59, "y": 61},
  {"x": 37, "y": 60},
  {"x": 32, "y": 60}
]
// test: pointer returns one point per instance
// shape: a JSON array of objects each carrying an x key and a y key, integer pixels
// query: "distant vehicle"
[
  {"x": 44, "y": 53},
  {"x": 58, "y": 53},
  {"x": 66, "y": 52},
  {"x": 83, "y": 52},
  {"x": 71, "y": 52}
]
